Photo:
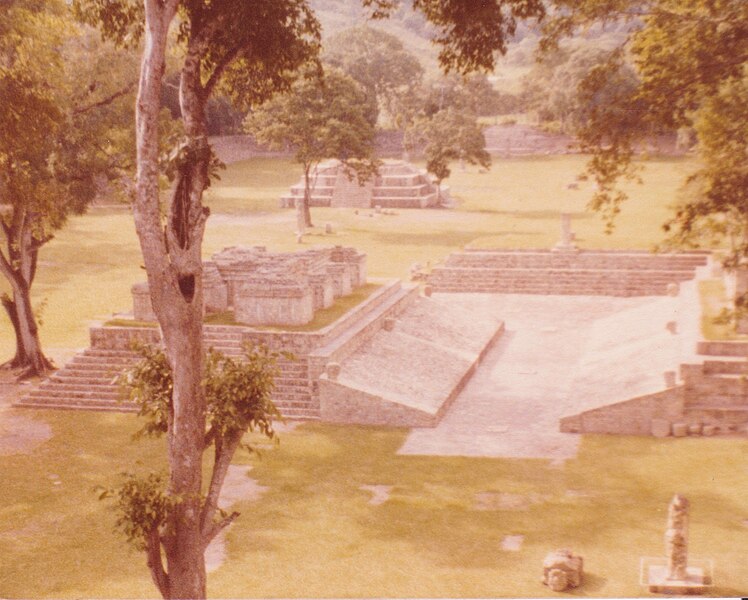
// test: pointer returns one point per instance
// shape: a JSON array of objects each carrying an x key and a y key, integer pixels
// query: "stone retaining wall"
[
  {"x": 630, "y": 417},
  {"x": 547, "y": 272}
]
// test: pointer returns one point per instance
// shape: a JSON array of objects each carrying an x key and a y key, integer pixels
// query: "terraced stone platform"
[
  {"x": 90, "y": 380},
  {"x": 409, "y": 374},
  {"x": 586, "y": 272},
  {"x": 398, "y": 185}
]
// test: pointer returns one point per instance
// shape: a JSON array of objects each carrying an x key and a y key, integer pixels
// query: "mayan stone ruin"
[
  {"x": 271, "y": 288},
  {"x": 397, "y": 185}
]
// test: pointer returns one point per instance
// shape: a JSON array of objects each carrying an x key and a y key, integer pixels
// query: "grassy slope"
[{"x": 314, "y": 534}]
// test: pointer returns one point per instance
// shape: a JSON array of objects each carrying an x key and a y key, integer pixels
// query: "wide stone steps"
[
  {"x": 724, "y": 366},
  {"x": 407, "y": 201},
  {"x": 422, "y": 189},
  {"x": 473, "y": 258}
]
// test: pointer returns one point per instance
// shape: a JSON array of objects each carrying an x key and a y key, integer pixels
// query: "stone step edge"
[{"x": 407, "y": 294}]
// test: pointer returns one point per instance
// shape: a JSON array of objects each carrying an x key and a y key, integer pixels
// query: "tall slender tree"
[
  {"x": 320, "y": 119},
  {"x": 250, "y": 48}
]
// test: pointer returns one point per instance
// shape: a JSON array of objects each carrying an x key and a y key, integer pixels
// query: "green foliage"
[
  {"x": 238, "y": 392},
  {"x": 573, "y": 86},
  {"x": 470, "y": 94},
  {"x": 320, "y": 118},
  {"x": 149, "y": 385},
  {"x": 450, "y": 135},
  {"x": 690, "y": 60},
  {"x": 470, "y": 33},
  {"x": 379, "y": 62},
  {"x": 143, "y": 507}
]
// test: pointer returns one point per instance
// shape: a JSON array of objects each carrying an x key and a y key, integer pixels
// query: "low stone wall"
[
  {"x": 623, "y": 274},
  {"x": 630, "y": 417},
  {"x": 719, "y": 348},
  {"x": 122, "y": 338},
  {"x": 343, "y": 404},
  {"x": 255, "y": 304}
]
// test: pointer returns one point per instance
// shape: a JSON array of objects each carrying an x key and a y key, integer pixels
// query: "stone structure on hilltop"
[
  {"x": 271, "y": 288},
  {"x": 398, "y": 185}
]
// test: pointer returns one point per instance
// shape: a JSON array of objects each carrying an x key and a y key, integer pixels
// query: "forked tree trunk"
[
  {"x": 19, "y": 268},
  {"x": 172, "y": 257}
]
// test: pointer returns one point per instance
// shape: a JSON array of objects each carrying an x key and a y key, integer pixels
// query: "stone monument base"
[{"x": 654, "y": 575}]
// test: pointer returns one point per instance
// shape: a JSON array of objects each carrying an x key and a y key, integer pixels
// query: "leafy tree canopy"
[{"x": 376, "y": 60}]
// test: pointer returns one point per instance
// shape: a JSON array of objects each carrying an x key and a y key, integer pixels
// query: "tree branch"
[
  {"x": 224, "y": 452},
  {"x": 156, "y": 564},
  {"x": 108, "y": 100},
  {"x": 216, "y": 528},
  {"x": 219, "y": 69}
]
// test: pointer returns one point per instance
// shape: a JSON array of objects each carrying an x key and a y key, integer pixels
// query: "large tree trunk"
[
  {"x": 172, "y": 257},
  {"x": 19, "y": 268},
  {"x": 33, "y": 361},
  {"x": 10, "y": 308}
]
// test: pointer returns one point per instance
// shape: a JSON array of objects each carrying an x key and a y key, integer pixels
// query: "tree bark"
[
  {"x": 173, "y": 264},
  {"x": 302, "y": 207},
  {"x": 19, "y": 269},
  {"x": 10, "y": 308}
]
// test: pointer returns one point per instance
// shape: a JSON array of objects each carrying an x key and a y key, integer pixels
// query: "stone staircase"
[
  {"x": 715, "y": 391},
  {"x": 88, "y": 381},
  {"x": 409, "y": 372},
  {"x": 547, "y": 272},
  {"x": 398, "y": 185}
]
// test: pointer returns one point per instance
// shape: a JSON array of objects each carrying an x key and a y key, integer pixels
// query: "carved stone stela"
[
  {"x": 674, "y": 575},
  {"x": 676, "y": 538}
]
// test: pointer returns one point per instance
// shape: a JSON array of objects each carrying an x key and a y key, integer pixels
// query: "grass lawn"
[{"x": 314, "y": 533}]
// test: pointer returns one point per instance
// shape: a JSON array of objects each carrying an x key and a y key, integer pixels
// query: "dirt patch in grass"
[
  {"x": 380, "y": 493},
  {"x": 237, "y": 487},
  {"x": 20, "y": 434},
  {"x": 505, "y": 501}
]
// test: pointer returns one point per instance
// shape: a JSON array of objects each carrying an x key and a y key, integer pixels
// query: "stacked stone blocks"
[
  {"x": 397, "y": 185},
  {"x": 267, "y": 288},
  {"x": 89, "y": 380},
  {"x": 547, "y": 272},
  {"x": 712, "y": 399}
]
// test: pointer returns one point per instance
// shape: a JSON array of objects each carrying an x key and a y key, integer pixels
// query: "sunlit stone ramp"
[
  {"x": 410, "y": 372},
  {"x": 560, "y": 355}
]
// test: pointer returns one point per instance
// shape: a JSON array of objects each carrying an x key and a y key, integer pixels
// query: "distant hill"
[{"x": 415, "y": 32}]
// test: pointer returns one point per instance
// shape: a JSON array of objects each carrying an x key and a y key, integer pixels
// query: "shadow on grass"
[{"x": 591, "y": 585}]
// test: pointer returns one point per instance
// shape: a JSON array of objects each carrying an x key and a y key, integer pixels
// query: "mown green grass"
[{"x": 314, "y": 534}]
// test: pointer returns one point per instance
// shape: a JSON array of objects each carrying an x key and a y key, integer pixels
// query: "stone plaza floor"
[{"x": 560, "y": 355}]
